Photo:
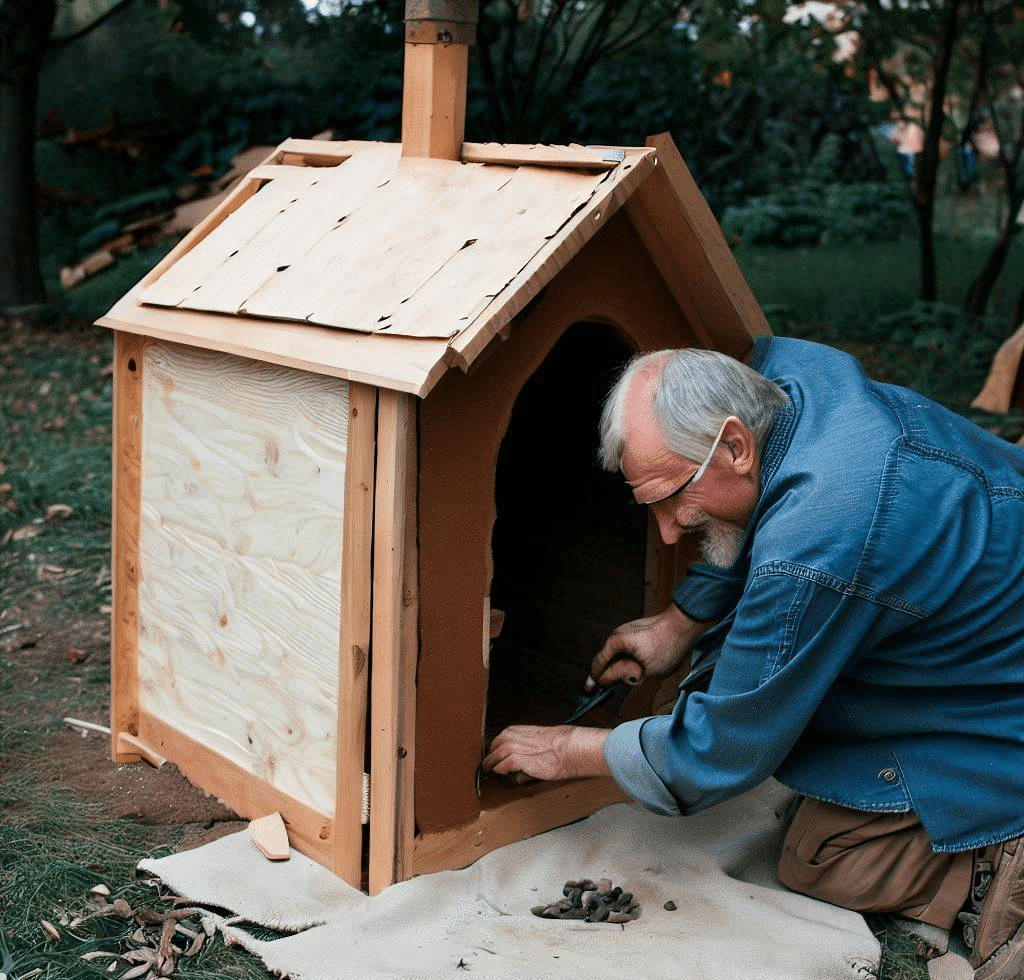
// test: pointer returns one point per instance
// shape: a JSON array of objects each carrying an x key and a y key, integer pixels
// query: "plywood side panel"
[
  {"x": 354, "y": 641},
  {"x": 243, "y": 478},
  {"x": 129, "y": 359},
  {"x": 395, "y": 648}
]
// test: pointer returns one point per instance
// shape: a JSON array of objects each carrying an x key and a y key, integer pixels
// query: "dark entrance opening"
[{"x": 568, "y": 546}]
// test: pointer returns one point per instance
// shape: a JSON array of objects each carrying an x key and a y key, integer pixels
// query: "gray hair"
[{"x": 697, "y": 391}]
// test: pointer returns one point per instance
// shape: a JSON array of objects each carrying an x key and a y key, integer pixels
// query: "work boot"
[{"x": 997, "y": 944}]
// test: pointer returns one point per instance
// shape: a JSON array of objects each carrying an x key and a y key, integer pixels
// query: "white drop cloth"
[{"x": 733, "y": 921}]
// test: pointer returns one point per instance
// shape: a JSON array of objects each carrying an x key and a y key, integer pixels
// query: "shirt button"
[{"x": 889, "y": 775}]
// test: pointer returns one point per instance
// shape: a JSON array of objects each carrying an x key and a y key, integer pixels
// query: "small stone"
[{"x": 670, "y": 906}]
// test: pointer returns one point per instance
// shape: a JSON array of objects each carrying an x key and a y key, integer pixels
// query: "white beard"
[{"x": 719, "y": 543}]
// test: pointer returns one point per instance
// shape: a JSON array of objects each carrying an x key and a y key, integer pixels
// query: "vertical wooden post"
[
  {"x": 437, "y": 38},
  {"x": 354, "y": 642},
  {"x": 395, "y": 645},
  {"x": 129, "y": 351}
]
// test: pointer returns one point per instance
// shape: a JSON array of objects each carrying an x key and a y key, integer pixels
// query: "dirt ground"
[{"x": 80, "y": 760}]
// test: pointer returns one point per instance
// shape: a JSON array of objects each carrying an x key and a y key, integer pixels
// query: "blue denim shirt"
[{"x": 875, "y": 653}]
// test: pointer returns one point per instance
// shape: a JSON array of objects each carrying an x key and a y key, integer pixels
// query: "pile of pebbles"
[{"x": 591, "y": 902}]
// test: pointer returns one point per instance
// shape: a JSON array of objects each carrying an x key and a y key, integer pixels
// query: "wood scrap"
[
  {"x": 86, "y": 726},
  {"x": 270, "y": 836},
  {"x": 1004, "y": 386}
]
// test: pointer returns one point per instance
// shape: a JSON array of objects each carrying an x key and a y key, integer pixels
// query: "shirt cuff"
[
  {"x": 623, "y": 751},
  {"x": 707, "y": 593}
]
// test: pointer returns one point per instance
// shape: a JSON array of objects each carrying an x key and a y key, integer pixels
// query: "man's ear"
[{"x": 740, "y": 441}]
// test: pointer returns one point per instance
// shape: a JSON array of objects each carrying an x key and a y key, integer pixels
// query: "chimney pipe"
[{"x": 438, "y": 34}]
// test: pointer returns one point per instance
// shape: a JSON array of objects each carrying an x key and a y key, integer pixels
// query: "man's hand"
[
  {"x": 560, "y": 752},
  {"x": 644, "y": 648}
]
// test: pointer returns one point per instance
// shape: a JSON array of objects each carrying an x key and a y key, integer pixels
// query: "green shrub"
[{"x": 809, "y": 213}]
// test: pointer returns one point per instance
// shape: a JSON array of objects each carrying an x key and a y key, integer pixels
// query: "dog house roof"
[{"x": 351, "y": 260}]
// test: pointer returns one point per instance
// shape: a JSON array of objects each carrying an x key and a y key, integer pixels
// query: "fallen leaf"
[
  {"x": 52, "y": 932},
  {"x": 57, "y": 511},
  {"x": 26, "y": 532},
  {"x": 122, "y": 908},
  {"x": 54, "y": 573},
  {"x": 136, "y": 971},
  {"x": 76, "y": 657}
]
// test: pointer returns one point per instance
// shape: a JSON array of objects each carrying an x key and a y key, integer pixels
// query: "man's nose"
[{"x": 667, "y": 525}]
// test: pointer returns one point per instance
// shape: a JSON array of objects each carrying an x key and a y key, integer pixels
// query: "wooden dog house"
[{"x": 355, "y": 424}]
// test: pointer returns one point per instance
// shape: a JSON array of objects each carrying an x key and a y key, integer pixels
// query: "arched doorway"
[{"x": 568, "y": 546}]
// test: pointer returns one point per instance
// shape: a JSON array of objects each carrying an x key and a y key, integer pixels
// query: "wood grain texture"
[
  {"x": 129, "y": 360},
  {"x": 498, "y": 307},
  {"x": 512, "y": 814},
  {"x": 243, "y": 478},
  {"x": 415, "y": 247},
  {"x": 434, "y": 100},
  {"x": 395, "y": 648},
  {"x": 354, "y": 638},
  {"x": 462, "y": 424},
  {"x": 539, "y": 155},
  {"x": 404, "y": 364},
  {"x": 309, "y": 831}
]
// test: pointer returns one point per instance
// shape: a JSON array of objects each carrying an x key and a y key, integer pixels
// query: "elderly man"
[{"x": 864, "y": 572}]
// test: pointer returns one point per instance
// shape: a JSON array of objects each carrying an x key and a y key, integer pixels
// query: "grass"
[
  {"x": 55, "y": 408},
  {"x": 863, "y": 298},
  {"x": 55, "y": 505}
]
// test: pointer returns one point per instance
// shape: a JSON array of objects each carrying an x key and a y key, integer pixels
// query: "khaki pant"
[{"x": 873, "y": 862}]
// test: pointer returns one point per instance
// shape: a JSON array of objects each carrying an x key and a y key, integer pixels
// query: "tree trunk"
[
  {"x": 24, "y": 28},
  {"x": 926, "y": 167},
  {"x": 984, "y": 282}
]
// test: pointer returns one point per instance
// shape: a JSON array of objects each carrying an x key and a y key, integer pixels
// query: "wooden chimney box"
[{"x": 358, "y": 525}]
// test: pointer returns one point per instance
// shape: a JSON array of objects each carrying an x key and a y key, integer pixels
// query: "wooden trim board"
[
  {"x": 394, "y": 648},
  {"x": 129, "y": 357},
  {"x": 310, "y": 832},
  {"x": 562, "y": 247},
  {"x": 354, "y": 639},
  {"x": 512, "y": 814},
  {"x": 686, "y": 243},
  {"x": 405, "y": 364},
  {"x": 537, "y": 155}
]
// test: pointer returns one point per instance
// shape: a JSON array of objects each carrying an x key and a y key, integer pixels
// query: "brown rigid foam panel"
[{"x": 613, "y": 281}]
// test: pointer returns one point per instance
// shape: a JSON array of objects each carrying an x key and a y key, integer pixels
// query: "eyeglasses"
[{"x": 696, "y": 476}]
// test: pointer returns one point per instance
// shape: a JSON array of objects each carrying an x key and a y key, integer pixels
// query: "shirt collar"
[{"x": 781, "y": 433}]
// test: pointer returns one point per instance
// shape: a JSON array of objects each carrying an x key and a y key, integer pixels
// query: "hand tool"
[{"x": 599, "y": 697}]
